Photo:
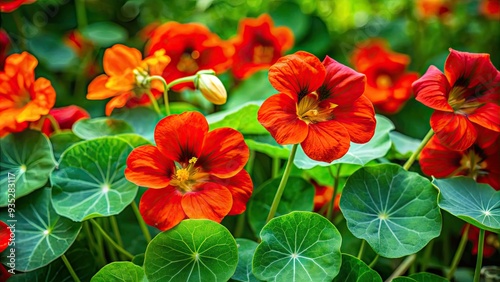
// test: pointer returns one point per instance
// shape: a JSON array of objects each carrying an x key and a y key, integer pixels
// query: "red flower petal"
[
  {"x": 4, "y": 236},
  {"x": 475, "y": 69},
  {"x": 487, "y": 116},
  {"x": 181, "y": 137},
  {"x": 439, "y": 161},
  {"x": 453, "y": 130},
  {"x": 117, "y": 102},
  {"x": 358, "y": 118},
  {"x": 343, "y": 84},
  {"x": 213, "y": 202},
  {"x": 146, "y": 166},
  {"x": 326, "y": 141},
  {"x": 278, "y": 114},
  {"x": 297, "y": 74},
  {"x": 162, "y": 207},
  {"x": 432, "y": 90},
  {"x": 224, "y": 153},
  {"x": 241, "y": 188}
]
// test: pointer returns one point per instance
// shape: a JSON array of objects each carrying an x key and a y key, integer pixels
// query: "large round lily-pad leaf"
[
  {"x": 394, "y": 210},
  {"x": 120, "y": 271},
  {"x": 99, "y": 127},
  {"x": 299, "y": 246},
  {"x": 62, "y": 141},
  {"x": 476, "y": 203},
  {"x": 194, "y": 250},
  {"x": 355, "y": 270},
  {"x": 358, "y": 154},
  {"x": 246, "y": 249},
  {"x": 26, "y": 161},
  {"x": 41, "y": 234},
  {"x": 298, "y": 196},
  {"x": 90, "y": 180}
]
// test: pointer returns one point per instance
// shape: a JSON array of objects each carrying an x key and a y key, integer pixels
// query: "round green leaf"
[
  {"x": 41, "y": 235},
  {"x": 394, "y": 210},
  {"x": 194, "y": 250},
  {"x": 143, "y": 120},
  {"x": 299, "y": 246},
  {"x": 476, "y": 203},
  {"x": 133, "y": 139},
  {"x": 124, "y": 271},
  {"x": 404, "y": 145},
  {"x": 26, "y": 161},
  {"x": 267, "y": 145},
  {"x": 98, "y": 127},
  {"x": 242, "y": 118},
  {"x": 427, "y": 277},
  {"x": 246, "y": 249},
  {"x": 359, "y": 154},
  {"x": 355, "y": 270},
  {"x": 404, "y": 279},
  {"x": 105, "y": 34},
  {"x": 298, "y": 196},
  {"x": 256, "y": 87},
  {"x": 52, "y": 52},
  {"x": 90, "y": 180},
  {"x": 62, "y": 141}
]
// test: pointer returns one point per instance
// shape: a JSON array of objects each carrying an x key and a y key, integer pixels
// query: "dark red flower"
[
  {"x": 323, "y": 196},
  {"x": 490, "y": 9},
  {"x": 4, "y": 236},
  {"x": 65, "y": 117},
  {"x": 4, "y": 45},
  {"x": 491, "y": 242},
  {"x": 7, "y": 6}
]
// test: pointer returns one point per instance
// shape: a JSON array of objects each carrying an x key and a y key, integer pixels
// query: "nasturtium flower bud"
[{"x": 212, "y": 88}]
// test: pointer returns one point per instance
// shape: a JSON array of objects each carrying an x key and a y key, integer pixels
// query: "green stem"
[
  {"x": 104, "y": 223},
  {"x": 70, "y": 269},
  {"x": 402, "y": 267},
  {"x": 54, "y": 123},
  {"x": 166, "y": 88},
  {"x": 459, "y": 252},
  {"x": 282, "y": 185},
  {"x": 331, "y": 204},
  {"x": 116, "y": 230},
  {"x": 19, "y": 24},
  {"x": 374, "y": 261},
  {"x": 361, "y": 249},
  {"x": 479, "y": 262},
  {"x": 415, "y": 154},
  {"x": 113, "y": 243},
  {"x": 240, "y": 225},
  {"x": 276, "y": 167},
  {"x": 96, "y": 246},
  {"x": 427, "y": 256},
  {"x": 142, "y": 224},
  {"x": 153, "y": 102},
  {"x": 81, "y": 14},
  {"x": 251, "y": 160}
]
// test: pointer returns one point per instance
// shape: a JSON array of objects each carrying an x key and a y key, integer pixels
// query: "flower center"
[
  {"x": 383, "y": 81},
  {"x": 474, "y": 164},
  {"x": 310, "y": 110},
  {"x": 461, "y": 102},
  {"x": 263, "y": 54},
  {"x": 186, "y": 177},
  {"x": 187, "y": 62},
  {"x": 142, "y": 83}
]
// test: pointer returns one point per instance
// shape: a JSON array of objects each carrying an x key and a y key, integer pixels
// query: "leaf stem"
[
  {"x": 479, "y": 261},
  {"x": 361, "y": 249},
  {"x": 276, "y": 167},
  {"x": 166, "y": 88},
  {"x": 402, "y": 267},
  {"x": 331, "y": 205},
  {"x": 153, "y": 102},
  {"x": 250, "y": 162},
  {"x": 142, "y": 224},
  {"x": 81, "y": 14},
  {"x": 116, "y": 230},
  {"x": 459, "y": 252},
  {"x": 53, "y": 123},
  {"x": 70, "y": 269},
  {"x": 374, "y": 261},
  {"x": 281, "y": 187},
  {"x": 240, "y": 225},
  {"x": 415, "y": 154},
  {"x": 111, "y": 241},
  {"x": 426, "y": 256}
]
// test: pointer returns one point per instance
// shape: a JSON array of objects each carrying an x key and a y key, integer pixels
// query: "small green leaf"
[
  {"x": 355, "y": 270},
  {"x": 133, "y": 139},
  {"x": 476, "y": 203},
  {"x": 105, "y": 34},
  {"x": 246, "y": 249},
  {"x": 52, "y": 52},
  {"x": 194, "y": 250},
  {"x": 124, "y": 271},
  {"x": 359, "y": 154},
  {"x": 427, "y": 277},
  {"x": 298, "y": 196},
  {"x": 242, "y": 118},
  {"x": 394, "y": 210},
  {"x": 299, "y": 246},
  {"x": 143, "y": 120},
  {"x": 26, "y": 161},
  {"x": 267, "y": 145},
  {"x": 255, "y": 88},
  {"x": 41, "y": 234},
  {"x": 62, "y": 141},
  {"x": 404, "y": 145},
  {"x": 99, "y": 127},
  {"x": 90, "y": 181}
]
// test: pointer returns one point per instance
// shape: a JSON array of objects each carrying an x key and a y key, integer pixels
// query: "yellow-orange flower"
[
  {"x": 22, "y": 98},
  {"x": 126, "y": 78}
]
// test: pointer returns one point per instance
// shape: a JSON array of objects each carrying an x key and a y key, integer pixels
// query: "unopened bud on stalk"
[{"x": 212, "y": 88}]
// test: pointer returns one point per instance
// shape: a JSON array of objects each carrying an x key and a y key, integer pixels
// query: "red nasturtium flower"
[
  {"x": 4, "y": 236},
  {"x": 126, "y": 76},
  {"x": 388, "y": 84},
  {"x": 22, "y": 98},
  {"x": 322, "y": 197},
  {"x": 258, "y": 45},
  {"x": 490, "y": 9},
  {"x": 191, "y": 172},
  {"x": 434, "y": 8},
  {"x": 4, "y": 44},
  {"x": 465, "y": 98},
  {"x": 192, "y": 47},
  {"x": 65, "y": 117},
  {"x": 491, "y": 241},
  {"x": 7, "y": 6},
  {"x": 320, "y": 105}
]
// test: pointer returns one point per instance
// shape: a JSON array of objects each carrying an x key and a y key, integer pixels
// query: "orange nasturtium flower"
[
  {"x": 320, "y": 105},
  {"x": 388, "y": 83},
  {"x": 126, "y": 78},
  {"x": 22, "y": 98},
  {"x": 258, "y": 45},
  {"x": 4, "y": 236},
  {"x": 465, "y": 98},
  {"x": 191, "y": 172},
  {"x": 7, "y": 6},
  {"x": 192, "y": 47}
]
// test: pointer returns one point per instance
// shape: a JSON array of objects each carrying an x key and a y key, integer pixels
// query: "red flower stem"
[
  {"x": 153, "y": 102},
  {"x": 111, "y": 241},
  {"x": 142, "y": 224},
  {"x": 70, "y": 269},
  {"x": 415, "y": 154},
  {"x": 479, "y": 262},
  {"x": 281, "y": 187},
  {"x": 331, "y": 204},
  {"x": 53, "y": 123},
  {"x": 459, "y": 252}
]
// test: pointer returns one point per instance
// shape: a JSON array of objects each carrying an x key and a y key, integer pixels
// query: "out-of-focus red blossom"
[
  {"x": 4, "y": 274},
  {"x": 77, "y": 42},
  {"x": 434, "y": 8},
  {"x": 192, "y": 47},
  {"x": 4, "y": 236},
  {"x": 7, "y": 6},
  {"x": 190, "y": 173},
  {"x": 323, "y": 196},
  {"x": 320, "y": 105},
  {"x": 490, "y": 9},
  {"x": 65, "y": 117},
  {"x": 491, "y": 241},
  {"x": 126, "y": 77},
  {"x": 4, "y": 45},
  {"x": 465, "y": 98},
  {"x": 22, "y": 98},
  {"x": 148, "y": 31},
  {"x": 481, "y": 161},
  {"x": 388, "y": 83},
  {"x": 258, "y": 45}
]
